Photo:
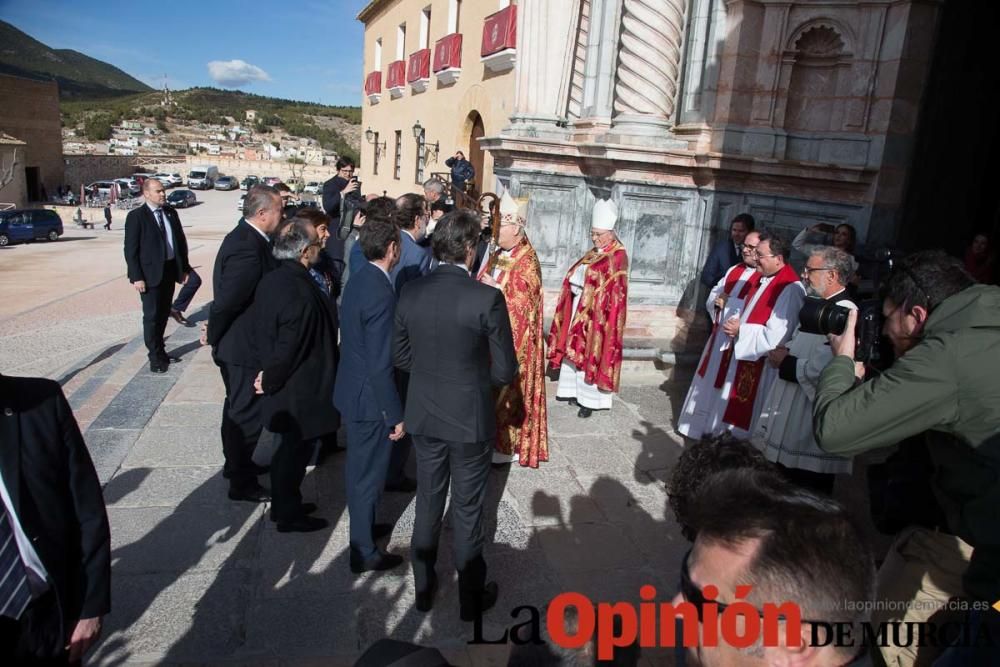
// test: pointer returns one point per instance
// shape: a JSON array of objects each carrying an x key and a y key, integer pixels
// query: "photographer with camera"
[
  {"x": 944, "y": 384},
  {"x": 340, "y": 187},
  {"x": 784, "y": 429}
]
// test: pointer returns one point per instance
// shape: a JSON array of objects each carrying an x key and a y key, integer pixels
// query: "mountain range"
[{"x": 78, "y": 75}]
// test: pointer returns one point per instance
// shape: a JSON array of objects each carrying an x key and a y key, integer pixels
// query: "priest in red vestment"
[
  {"x": 585, "y": 341},
  {"x": 522, "y": 419}
]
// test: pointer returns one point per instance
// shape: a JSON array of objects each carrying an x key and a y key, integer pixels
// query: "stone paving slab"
[{"x": 593, "y": 519}]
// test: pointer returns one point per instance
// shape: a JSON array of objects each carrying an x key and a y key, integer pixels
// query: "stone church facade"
[{"x": 689, "y": 112}]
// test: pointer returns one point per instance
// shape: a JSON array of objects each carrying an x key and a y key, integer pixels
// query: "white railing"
[{"x": 6, "y": 206}]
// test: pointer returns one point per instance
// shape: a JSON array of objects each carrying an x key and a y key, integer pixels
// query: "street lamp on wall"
[
  {"x": 418, "y": 132},
  {"x": 380, "y": 146}
]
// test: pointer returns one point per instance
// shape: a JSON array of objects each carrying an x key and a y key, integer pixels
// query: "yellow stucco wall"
[{"x": 445, "y": 112}]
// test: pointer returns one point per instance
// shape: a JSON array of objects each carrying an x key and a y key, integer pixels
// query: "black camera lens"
[{"x": 819, "y": 316}]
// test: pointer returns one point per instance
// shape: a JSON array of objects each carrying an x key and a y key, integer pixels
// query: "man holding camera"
[
  {"x": 945, "y": 384},
  {"x": 784, "y": 428}
]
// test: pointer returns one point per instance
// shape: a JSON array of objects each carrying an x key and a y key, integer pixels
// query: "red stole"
[
  {"x": 732, "y": 277},
  {"x": 739, "y": 409}
]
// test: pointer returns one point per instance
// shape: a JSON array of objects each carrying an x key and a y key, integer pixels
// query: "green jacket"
[{"x": 947, "y": 386}]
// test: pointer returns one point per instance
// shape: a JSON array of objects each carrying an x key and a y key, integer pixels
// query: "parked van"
[
  {"x": 29, "y": 225},
  {"x": 203, "y": 177}
]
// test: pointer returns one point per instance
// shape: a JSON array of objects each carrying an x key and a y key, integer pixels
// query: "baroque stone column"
[
  {"x": 546, "y": 34},
  {"x": 649, "y": 57}
]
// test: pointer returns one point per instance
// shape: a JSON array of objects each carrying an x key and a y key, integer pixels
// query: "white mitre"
[
  {"x": 512, "y": 211},
  {"x": 605, "y": 215}
]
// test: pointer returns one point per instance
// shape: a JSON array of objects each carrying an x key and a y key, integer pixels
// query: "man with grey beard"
[{"x": 784, "y": 430}]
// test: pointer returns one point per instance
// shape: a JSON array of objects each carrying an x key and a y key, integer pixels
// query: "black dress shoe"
[
  {"x": 571, "y": 400},
  {"x": 157, "y": 367},
  {"x": 378, "y": 562},
  {"x": 407, "y": 485},
  {"x": 425, "y": 600},
  {"x": 304, "y": 508},
  {"x": 302, "y": 524},
  {"x": 486, "y": 602},
  {"x": 257, "y": 470},
  {"x": 380, "y": 530},
  {"x": 253, "y": 495},
  {"x": 584, "y": 413}
]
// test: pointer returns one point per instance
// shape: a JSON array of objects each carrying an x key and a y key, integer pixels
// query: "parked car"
[
  {"x": 103, "y": 188},
  {"x": 29, "y": 225},
  {"x": 239, "y": 204},
  {"x": 181, "y": 198},
  {"x": 128, "y": 187},
  {"x": 271, "y": 180},
  {"x": 295, "y": 183},
  {"x": 226, "y": 183},
  {"x": 313, "y": 187},
  {"x": 249, "y": 182},
  {"x": 203, "y": 177},
  {"x": 166, "y": 179}
]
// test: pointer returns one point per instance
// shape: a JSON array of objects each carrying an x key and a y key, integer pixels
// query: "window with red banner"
[{"x": 500, "y": 31}]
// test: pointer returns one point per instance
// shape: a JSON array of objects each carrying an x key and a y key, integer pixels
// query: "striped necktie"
[{"x": 14, "y": 592}]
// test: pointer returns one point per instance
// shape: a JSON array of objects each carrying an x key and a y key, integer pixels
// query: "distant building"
[
  {"x": 451, "y": 71},
  {"x": 251, "y": 115},
  {"x": 12, "y": 171},
  {"x": 29, "y": 112}
]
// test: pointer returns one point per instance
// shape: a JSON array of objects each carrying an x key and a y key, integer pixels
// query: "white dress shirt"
[{"x": 168, "y": 231}]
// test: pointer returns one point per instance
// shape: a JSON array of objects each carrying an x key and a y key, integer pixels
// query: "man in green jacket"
[{"x": 945, "y": 384}]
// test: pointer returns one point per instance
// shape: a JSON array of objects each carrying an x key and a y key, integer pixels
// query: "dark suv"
[{"x": 29, "y": 225}]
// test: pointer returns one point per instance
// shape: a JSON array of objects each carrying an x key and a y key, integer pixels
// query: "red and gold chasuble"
[
  {"x": 739, "y": 409},
  {"x": 591, "y": 338},
  {"x": 522, "y": 419}
]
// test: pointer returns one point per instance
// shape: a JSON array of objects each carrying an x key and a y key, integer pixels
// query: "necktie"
[
  {"x": 14, "y": 592},
  {"x": 163, "y": 232}
]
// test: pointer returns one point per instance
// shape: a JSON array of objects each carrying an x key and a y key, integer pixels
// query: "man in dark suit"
[
  {"x": 726, "y": 253},
  {"x": 157, "y": 257},
  {"x": 452, "y": 334},
  {"x": 365, "y": 392},
  {"x": 55, "y": 548},
  {"x": 338, "y": 187},
  {"x": 297, "y": 344},
  {"x": 411, "y": 217},
  {"x": 243, "y": 259}
]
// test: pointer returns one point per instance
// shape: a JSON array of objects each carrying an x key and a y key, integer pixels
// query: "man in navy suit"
[
  {"x": 365, "y": 391},
  {"x": 726, "y": 252},
  {"x": 411, "y": 217},
  {"x": 157, "y": 257}
]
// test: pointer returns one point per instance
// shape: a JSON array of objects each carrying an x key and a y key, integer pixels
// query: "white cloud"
[{"x": 235, "y": 73}]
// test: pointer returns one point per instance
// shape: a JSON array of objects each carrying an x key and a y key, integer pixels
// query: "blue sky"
[{"x": 299, "y": 49}]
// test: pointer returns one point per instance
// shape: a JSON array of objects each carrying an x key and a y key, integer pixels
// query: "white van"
[{"x": 203, "y": 177}]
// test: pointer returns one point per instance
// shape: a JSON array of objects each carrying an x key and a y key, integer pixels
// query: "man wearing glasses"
[
  {"x": 754, "y": 529},
  {"x": 703, "y": 407},
  {"x": 338, "y": 187},
  {"x": 784, "y": 429},
  {"x": 767, "y": 321},
  {"x": 945, "y": 387}
]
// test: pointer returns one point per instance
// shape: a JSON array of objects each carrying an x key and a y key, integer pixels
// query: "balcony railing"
[
  {"x": 500, "y": 39},
  {"x": 448, "y": 58},
  {"x": 373, "y": 87},
  {"x": 396, "y": 79},
  {"x": 418, "y": 72}
]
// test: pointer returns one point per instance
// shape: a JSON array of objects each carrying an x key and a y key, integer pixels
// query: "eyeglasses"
[
  {"x": 760, "y": 256},
  {"x": 748, "y": 248},
  {"x": 806, "y": 270},
  {"x": 346, "y": 171},
  {"x": 597, "y": 235}
]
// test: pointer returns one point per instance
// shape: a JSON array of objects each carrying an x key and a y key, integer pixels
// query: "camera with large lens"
[
  {"x": 350, "y": 205},
  {"x": 819, "y": 316}
]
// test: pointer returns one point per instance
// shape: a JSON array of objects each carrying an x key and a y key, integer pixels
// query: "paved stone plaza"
[{"x": 197, "y": 578}]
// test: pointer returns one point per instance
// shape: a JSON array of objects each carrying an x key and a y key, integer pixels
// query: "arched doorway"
[{"x": 476, "y": 154}]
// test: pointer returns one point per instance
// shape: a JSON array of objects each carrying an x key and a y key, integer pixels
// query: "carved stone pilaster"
[
  {"x": 649, "y": 57},
  {"x": 575, "y": 106}
]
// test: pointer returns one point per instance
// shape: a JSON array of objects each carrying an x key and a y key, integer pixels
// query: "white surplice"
[
  {"x": 755, "y": 340},
  {"x": 703, "y": 407},
  {"x": 784, "y": 430}
]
